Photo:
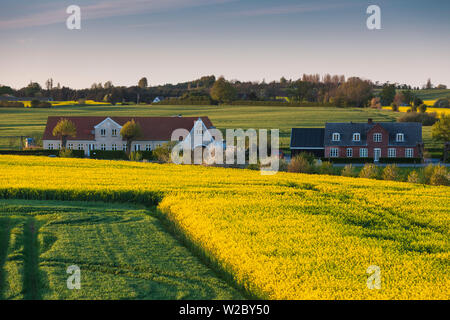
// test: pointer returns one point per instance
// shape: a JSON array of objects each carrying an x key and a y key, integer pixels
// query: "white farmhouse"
[{"x": 103, "y": 133}]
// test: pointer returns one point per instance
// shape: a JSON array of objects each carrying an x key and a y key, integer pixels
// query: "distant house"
[
  {"x": 361, "y": 140},
  {"x": 310, "y": 140},
  {"x": 158, "y": 99},
  {"x": 103, "y": 133}
]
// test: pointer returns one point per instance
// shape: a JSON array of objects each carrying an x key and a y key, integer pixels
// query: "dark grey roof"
[
  {"x": 411, "y": 130},
  {"x": 307, "y": 137}
]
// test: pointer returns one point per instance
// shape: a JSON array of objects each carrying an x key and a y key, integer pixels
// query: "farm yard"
[{"x": 288, "y": 236}]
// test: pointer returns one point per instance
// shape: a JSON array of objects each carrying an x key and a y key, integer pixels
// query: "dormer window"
[
  {"x": 400, "y": 137},
  {"x": 103, "y": 132},
  {"x": 336, "y": 136},
  {"x": 377, "y": 137},
  {"x": 356, "y": 137}
]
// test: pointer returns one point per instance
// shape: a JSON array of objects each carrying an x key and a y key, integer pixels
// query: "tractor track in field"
[{"x": 31, "y": 278}]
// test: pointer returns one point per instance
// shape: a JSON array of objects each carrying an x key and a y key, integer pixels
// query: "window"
[
  {"x": 356, "y": 137},
  {"x": 349, "y": 152},
  {"x": 334, "y": 152},
  {"x": 137, "y": 147},
  {"x": 148, "y": 147},
  {"x": 336, "y": 137},
  {"x": 363, "y": 153},
  {"x": 50, "y": 146},
  {"x": 392, "y": 153},
  {"x": 80, "y": 147},
  {"x": 59, "y": 146},
  {"x": 409, "y": 153},
  {"x": 70, "y": 146},
  {"x": 400, "y": 137},
  {"x": 114, "y": 132},
  {"x": 103, "y": 146},
  {"x": 377, "y": 137},
  {"x": 114, "y": 147},
  {"x": 103, "y": 132},
  {"x": 124, "y": 147}
]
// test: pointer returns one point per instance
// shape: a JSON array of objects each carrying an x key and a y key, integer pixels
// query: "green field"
[{"x": 122, "y": 250}]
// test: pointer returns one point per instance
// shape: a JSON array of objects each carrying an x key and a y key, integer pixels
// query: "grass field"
[
  {"x": 122, "y": 250},
  {"x": 288, "y": 236},
  {"x": 28, "y": 122}
]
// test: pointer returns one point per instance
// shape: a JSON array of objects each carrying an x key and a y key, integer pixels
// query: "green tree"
[
  {"x": 64, "y": 129},
  {"x": 143, "y": 83},
  {"x": 355, "y": 92},
  {"x": 130, "y": 132},
  {"x": 223, "y": 91},
  {"x": 423, "y": 108},
  {"x": 387, "y": 94},
  {"x": 441, "y": 132}
]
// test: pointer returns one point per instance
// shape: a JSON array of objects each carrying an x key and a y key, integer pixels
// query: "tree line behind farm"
[{"x": 309, "y": 89}]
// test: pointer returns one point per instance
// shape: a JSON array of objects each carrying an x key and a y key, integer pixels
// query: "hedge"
[
  {"x": 76, "y": 153},
  {"x": 349, "y": 160},
  {"x": 118, "y": 155},
  {"x": 108, "y": 155},
  {"x": 401, "y": 160},
  {"x": 278, "y": 103}
]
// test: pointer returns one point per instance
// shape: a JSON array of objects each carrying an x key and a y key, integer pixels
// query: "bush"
[
  {"x": 391, "y": 172},
  {"x": 300, "y": 164},
  {"x": 66, "y": 153},
  {"x": 349, "y": 171},
  {"x": 423, "y": 108},
  {"x": 11, "y": 104},
  {"x": 427, "y": 119},
  {"x": 283, "y": 166},
  {"x": 440, "y": 176},
  {"x": 163, "y": 153},
  {"x": 40, "y": 104},
  {"x": 394, "y": 107},
  {"x": 326, "y": 168},
  {"x": 413, "y": 177},
  {"x": 442, "y": 103},
  {"x": 426, "y": 173},
  {"x": 135, "y": 156},
  {"x": 370, "y": 171}
]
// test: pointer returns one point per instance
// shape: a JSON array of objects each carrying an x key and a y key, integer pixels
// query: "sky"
[{"x": 171, "y": 41}]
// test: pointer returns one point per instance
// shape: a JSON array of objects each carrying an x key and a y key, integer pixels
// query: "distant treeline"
[{"x": 307, "y": 90}]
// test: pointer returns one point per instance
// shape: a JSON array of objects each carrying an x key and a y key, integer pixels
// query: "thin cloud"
[
  {"x": 286, "y": 9},
  {"x": 104, "y": 9}
]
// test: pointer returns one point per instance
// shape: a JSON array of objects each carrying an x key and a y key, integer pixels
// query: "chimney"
[{"x": 370, "y": 121}]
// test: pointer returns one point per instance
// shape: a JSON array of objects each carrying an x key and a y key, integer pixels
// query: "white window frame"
[
  {"x": 80, "y": 146},
  {"x": 357, "y": 137},
  {"x": 114, "y": 147},
  {"x": 148, "y": 147},
  {"x": 103, "y": 132},
  {"x": 137, "y": 147},
  {"x": 50, "y": 146},
  {"x": 70, "y": 146},
  {"x": 336, "y": 136},
  {"x": 375, "y": 137},
  {"x": 334, "y": 152},
  {"x": 103, "y": 147},
  {"x": 409, "y": 153},
  {"x": 114, "y": 132},
  {"x": 400, "y": 137},
  {"x": 392, "y": 153},
  {"x": 363, "y": 152},
  {"x": 124, "y": 147},
  {"x": 349, "y": 152}
]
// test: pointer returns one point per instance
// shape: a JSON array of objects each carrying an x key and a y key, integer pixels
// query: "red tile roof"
[{"x": 153, "y": 128}]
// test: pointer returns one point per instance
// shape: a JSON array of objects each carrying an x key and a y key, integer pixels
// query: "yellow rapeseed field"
[{"x": 288, "y": 236}]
